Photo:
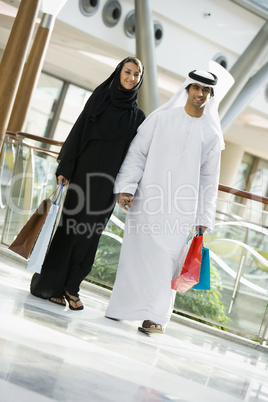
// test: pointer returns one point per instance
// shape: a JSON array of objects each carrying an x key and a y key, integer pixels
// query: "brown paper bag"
[{"x": 25, "y": 240}]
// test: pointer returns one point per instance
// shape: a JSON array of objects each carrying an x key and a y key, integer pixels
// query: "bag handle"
[
  {"x": 56, "y": 195},
  {"x": 200, "y": 231},
  {"x": 60, "y": 192}
]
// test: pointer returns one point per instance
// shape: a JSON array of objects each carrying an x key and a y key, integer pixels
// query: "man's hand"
[
  {"x": 125, "y": 200},
  {"x": 203, "y": 228}
]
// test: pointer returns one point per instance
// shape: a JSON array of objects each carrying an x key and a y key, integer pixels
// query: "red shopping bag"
[{"x": 191, "y": 269}]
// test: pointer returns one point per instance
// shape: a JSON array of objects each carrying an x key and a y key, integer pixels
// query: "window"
[
  {"x": 74, "y": 102},
  {"x": 54, "y": 108},
  {"x": 252, "y": 177},
  {"x": 43, "y": 103}
]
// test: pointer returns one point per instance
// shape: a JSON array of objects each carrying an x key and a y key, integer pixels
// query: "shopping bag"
[
  {"x": 45, "y": 236},
  {"x": 25, "y": 240},
  {"x": 182, "y": 257},
  {"x": 190, "y": 272},
  {"x": 204, "y": 278}
]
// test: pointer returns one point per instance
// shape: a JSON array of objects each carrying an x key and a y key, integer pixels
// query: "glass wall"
[
  {"x": 43, "y": 105},
  {"x": 252, "y": 177},
  {"x": 54, "y": 108},
  {"x": 74, "y": 102},
  {"x": 7, "y": 161},
  {"x": 32, "y": 180}
]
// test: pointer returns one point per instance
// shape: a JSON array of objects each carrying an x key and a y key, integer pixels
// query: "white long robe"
[{"x": 172, "y": 167}]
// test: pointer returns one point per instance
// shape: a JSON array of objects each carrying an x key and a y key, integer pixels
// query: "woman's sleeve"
[
  {"x": 65, "y": 169},
  {"x": 71, "y": 148},
  {"x": 208, "y": 188},
  {"x": 131, "y": 170}
]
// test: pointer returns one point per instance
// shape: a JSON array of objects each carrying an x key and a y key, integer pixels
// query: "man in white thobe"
[{"x": 168, "y": 184}]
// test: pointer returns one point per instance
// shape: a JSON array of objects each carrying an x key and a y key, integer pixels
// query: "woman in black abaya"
[{"x": 89, "y": 161}]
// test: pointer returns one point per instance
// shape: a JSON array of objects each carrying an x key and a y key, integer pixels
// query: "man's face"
[{"x": 198, "y": 95}]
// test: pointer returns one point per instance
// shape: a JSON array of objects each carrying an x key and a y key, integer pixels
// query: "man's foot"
[
  {"x": 151, "y": 327},
  {"x": 74, "y": 301},
  {"x": 58, "y": 300}
]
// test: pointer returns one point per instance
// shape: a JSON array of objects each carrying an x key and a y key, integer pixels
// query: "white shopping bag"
[{"x": 42, "y": 243}]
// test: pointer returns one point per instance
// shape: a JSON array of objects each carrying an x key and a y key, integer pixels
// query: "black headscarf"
[
  {"x": 112, "y": 91},
  {"x": 90, "y": 125}
]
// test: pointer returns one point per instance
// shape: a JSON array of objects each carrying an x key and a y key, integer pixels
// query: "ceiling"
[
  {"x": 258, "y": 7},
  {"x": 72, "y": 44}
]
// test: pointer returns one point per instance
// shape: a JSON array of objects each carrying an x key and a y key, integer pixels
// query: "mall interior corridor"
[{"x": 50, "y": 353}]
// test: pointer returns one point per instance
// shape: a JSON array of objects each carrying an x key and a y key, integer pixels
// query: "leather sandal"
[
  {"x": 73, "y": 299},
  {"x": 58, "y": 300},
  {"x": 150, "y": 327}
]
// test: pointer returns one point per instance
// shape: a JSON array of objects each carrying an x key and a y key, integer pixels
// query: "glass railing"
[
  {"x": 6, "y": 168},
  {"x": 239, "y": 264},
  {"x": 238, "y": 245},
  {"x": 28, "y": 176}
]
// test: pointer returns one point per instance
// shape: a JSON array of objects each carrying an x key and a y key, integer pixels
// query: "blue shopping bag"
[{"x": 204, "y": 278}]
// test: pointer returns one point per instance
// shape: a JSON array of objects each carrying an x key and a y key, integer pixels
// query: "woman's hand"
[
  {"x": 61, "y": 179},
  {"x": 125, "y": 200}
]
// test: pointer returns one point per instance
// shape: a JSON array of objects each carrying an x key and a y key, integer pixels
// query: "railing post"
[
  {"x": 145, "y": 50},
  {"x": 31, "y": 74},
  {"x": 13, "y": 59}
]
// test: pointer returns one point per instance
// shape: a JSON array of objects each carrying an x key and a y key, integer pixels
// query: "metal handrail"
[
  {"x": 222, "y": 187},
  {"x": 244, "y": 194},
  {"x": 12, "y": 135},
  {"x": 39, "y": 139},
  {"x": 36, "y": 138}
]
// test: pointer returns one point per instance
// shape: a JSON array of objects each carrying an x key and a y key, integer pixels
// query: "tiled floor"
[{"x": 50, "y": 353}]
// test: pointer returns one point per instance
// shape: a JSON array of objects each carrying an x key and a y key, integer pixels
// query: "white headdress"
[{"x": 218, "y": 78}]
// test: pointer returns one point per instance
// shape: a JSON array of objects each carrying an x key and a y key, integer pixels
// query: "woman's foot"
[
  {"x": 58, "y": 300},
  {"x": 151, "y": 327},
  {"x": 74, "y": 301}
]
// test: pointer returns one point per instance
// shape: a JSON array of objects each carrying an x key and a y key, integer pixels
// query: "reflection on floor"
[{"x": 50, "y": 353}]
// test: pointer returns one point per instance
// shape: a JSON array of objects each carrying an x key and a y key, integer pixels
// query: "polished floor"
[{"x": 50, "y": 353}]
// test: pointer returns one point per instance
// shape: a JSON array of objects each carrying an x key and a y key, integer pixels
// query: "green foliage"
[
  {"x": 206, "y": 304},
  {"x": 106, "y": 261}
]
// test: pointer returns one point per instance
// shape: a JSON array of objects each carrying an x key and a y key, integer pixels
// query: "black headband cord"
[{"x": 205, "y": 80}]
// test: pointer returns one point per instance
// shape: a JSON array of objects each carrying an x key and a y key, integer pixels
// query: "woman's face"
[{"x": 130, "y": 75}]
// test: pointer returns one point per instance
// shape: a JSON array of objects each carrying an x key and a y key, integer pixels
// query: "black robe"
[{"x": 89, "y": 200}]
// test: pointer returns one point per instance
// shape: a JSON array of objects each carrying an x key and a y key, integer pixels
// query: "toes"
[
  {"x": 155, "y": 326},
  {"x": 151, "y": 324},
  {"x": 75, "y": 303},
  {"x": 58, "y": 300}
]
